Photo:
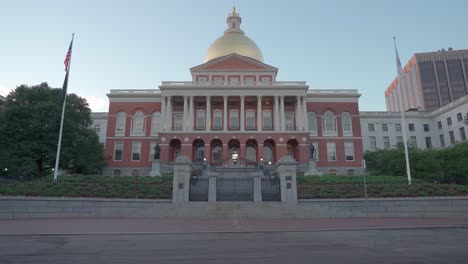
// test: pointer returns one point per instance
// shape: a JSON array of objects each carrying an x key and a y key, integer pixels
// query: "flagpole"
[
  {"x": 400, "y": 92},
  {"x": 61, "y": 121}
]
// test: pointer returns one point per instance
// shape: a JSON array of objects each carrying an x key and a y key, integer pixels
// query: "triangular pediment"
[{"x": 234, "y": 62}]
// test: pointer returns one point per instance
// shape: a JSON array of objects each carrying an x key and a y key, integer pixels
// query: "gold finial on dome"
[{"x": 234, "y": 14}]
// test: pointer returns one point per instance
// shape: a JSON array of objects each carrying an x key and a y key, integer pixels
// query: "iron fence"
[
  {"x": 271, "y": 190},
  {"x": 379, "y": 189},
  {"x": 198, "y": 189},
  {"x": 88, "y": 186},
  {"x": 234, "y": 189}
]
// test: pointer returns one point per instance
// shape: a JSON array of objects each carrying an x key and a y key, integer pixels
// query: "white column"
[
  {"x": 242, "y": 114},
  {"x": 276, "y": 120},
  {"x": 259, "y": 113},
  {"x": 184, "y": 118},
  {"x": 163, "y": 113},
  {"x": 225, "y": 114},
  {"x": 191, "y": 114},
  {"x": 208, "y": 113},
  {"x": 169, "y": 114},
  {"x": 283, "y": 123},
  {"x": 304, "y": 113},
  {"x": 297, "y": 113}
]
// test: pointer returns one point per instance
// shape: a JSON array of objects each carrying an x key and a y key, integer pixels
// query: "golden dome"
[{"x": 234, "y": 41}]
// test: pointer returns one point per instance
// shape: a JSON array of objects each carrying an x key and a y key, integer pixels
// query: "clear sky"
[{"x": 330, "y": 44}]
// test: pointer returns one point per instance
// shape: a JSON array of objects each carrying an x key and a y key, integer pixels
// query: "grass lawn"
[{"x": 92, "y": 186}]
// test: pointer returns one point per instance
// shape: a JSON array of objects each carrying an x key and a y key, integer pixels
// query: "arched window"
[
  {"x": 138, "y": 124},
  {"x": 267, "y": 152},
  {"x": 120, "y": 124},
  {"x": 155, "y": 123},
  {"x": 251, "y": 152},
  {"x": 347, "y": 126},
  {"x": 329, "y": 123},
  {"x": 199, "y": 150},
  {"x": 217, "y": 153},
  {"x": 312, "y": 121}
]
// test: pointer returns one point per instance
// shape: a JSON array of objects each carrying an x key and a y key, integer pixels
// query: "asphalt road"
[{"x": 436, "y": 245}]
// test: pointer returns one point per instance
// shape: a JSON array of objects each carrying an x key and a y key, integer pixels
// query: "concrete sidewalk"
[{"x": 168, "y": 225}]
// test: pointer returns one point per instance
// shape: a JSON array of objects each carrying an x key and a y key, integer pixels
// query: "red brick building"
[{"x": 234, "y": 112}]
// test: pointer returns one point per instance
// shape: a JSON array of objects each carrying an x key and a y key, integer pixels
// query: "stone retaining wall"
[{"x": 33, "y": 207}]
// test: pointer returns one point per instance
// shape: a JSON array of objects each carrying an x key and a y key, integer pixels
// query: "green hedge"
[{"x": 91, "y": 186}]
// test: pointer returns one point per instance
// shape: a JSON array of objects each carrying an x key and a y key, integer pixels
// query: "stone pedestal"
[
  {"x": 212, "y": 178},
  {"x": 312, "y": 169},
  {"x": 287, "y": 172},
  {"x": 156, "y": 168},
  {"x": 181, "y": 179},
  {"x": 257, "y": 181}
]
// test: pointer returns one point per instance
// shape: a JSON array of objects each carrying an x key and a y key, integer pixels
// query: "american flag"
[{"x": 68, "y": 57}]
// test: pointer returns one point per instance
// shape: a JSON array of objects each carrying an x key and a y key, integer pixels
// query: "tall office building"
[{"x": 430, "y": 80}]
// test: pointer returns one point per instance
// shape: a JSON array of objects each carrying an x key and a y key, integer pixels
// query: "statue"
[
  {"x": 311, "y": 151},
  {"x": 157, "y": 151}
]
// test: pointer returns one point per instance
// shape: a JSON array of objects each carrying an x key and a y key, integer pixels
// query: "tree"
[{"x": 29, "y": 125}]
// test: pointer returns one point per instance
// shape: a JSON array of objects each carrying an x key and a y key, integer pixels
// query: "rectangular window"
[
  {"x": 386, "y": 142},
  {"x": 178, "y": 122},
  {"x": 265, "y": 80},
  {"x": 349, "y": 151},
  {"x": 331, "y": 151},
  {"x": 399, "y": 140},
  {"x": 218, "y": 81},
  {"x": 413, "y": 141},
  {"x": 411, "y": 127},
  {"x": 267, "y": 120},
  {"x": 136, "y": 150},
  {"x": 398, "y": 127},
  {"x": 371, "y": 127},
  {"x": 373, "y": 143},
  {"x": 118, "y": 151},
  {"x": 426, "y": 127},
  {"x": 289, "y": 118},
  {"x": 234, "y": 81},
  {"x": 385, "y": 127},
  {"x": 249, "y": 81},
  {"x": 439, "y": 125},
  {"x": 442, "y": 141},
  {"x": 217, "y": 119},
  {"x": 200, "y": 120},
  {"x": 428, "y": 142},
  {"x": 97, "y": 128},
  {"x": 452, "y": 137},
  {"x": 459, "y": 117},
  {"x": 449, "y": 121},
  {"x": 250, "y": 119},
  {"x": 234, "y": 119},
  {"x": 202, "y": 80},
  {"x": 462, "y": 134}
]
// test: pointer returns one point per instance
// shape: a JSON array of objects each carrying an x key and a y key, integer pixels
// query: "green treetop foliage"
[
  {"x": 29, "y": 128},
  {"x": 446, "y": 165}
]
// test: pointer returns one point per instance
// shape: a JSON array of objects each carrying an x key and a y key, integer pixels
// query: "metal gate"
[
  {"x": 198, "y": 190},
  {"x": 271, "y": 189},
  {"x": 234, "y": 189}
]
